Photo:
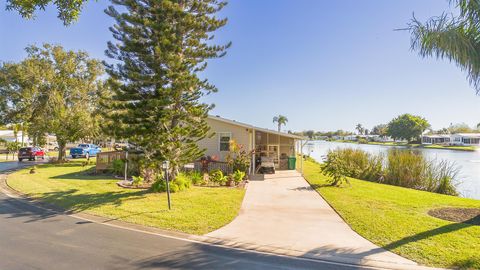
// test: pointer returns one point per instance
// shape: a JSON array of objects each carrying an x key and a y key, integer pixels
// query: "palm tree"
[
  {"x": 280, "y": 120},
  {"x": 359, "y": 128},
  {"x": 452, "y": 38}
]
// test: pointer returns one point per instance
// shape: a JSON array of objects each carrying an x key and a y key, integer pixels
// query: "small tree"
[
  {"x": 408, "y": 127},
  {"x": 360, "y": 129},
  {"x": 280, "y": 120},
  {"x": 336, "y": 168},
  {"x": 380, "y": 130}
]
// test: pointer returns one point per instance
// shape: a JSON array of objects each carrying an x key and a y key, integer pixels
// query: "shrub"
[
  {"x": 362, "y": 141},
  {"x": 238, "y": 158},
  {"x": 217, "y": 177},
  {"x": 238, "y": 176},
  {"x": 336, "y": 168},
  {"x": 118, "y": 167},
  {"x": 197, "y": 178},
  {"x": 180, "y": 183},
  {"x": 159, "y": 185},
  {"x": 137, "y": 180}
]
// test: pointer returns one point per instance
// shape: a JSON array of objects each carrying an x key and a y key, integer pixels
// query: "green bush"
[
  {"x": 216, "y": 176},
  {"x": 118, "y": 167},
  {"x": 180, "y": 183},
  {"x": 362, "y": 141},
  {"x": 336, "y": 168},
  {"x": 137, "y": 180},
  {"x": 238, "y": 176},
  {"x": 197, "y": 178},
  {"x": 159, "y": 186}
]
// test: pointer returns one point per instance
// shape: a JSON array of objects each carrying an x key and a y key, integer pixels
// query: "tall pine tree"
[{"x": 161, "y": 47}]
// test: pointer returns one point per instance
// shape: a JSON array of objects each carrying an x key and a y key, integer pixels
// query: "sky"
[{"x": 326, "y": 65}]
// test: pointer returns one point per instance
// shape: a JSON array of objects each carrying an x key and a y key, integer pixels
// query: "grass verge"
[
  {"x": 197, "y": 211},
  {"x": 397, "y": 219}
]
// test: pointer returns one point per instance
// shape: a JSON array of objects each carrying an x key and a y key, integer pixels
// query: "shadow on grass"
[
  {"x": 75, "y": 202},
  {"x": 87, "y": 174}
]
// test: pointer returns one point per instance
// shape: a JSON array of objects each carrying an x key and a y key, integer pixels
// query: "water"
[{"x": 467, "y": 161}]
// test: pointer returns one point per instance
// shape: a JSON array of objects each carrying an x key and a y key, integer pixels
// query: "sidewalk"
[{"x": 284, "y": 215}]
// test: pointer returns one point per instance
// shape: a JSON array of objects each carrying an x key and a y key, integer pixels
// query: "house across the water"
[
  {"x": 277, "y": 146},
  {"x": 466, "y": 139}
]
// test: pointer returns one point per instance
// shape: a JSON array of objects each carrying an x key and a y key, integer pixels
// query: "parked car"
[
  {"x": 30, "y": 153},
  {"x": 52, "y": 146},
  {"x": 85, "y": 150}
]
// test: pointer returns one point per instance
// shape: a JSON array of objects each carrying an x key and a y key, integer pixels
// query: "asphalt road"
[{"x": 35, "y": 238}]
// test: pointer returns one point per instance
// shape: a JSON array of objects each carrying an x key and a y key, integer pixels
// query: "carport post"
[
  {"x": 301, "y": 156},
  {"x": 253, "y": 152}
]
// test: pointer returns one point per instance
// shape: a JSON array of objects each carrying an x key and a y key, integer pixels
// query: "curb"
[{"x": 201, "y": 239}]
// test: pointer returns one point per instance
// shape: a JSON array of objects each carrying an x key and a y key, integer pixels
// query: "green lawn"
[
  {"x": 198, "y": 210},
  {"x": 396, "y": 218}
]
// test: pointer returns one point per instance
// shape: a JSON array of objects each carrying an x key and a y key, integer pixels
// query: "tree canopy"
[
  {"x": 452, "y": 37},
  {"x": 381, "y": 130},
  {"x": 68, "y": 10},
  {"x": 407, "y": 127},
  {"x": 52, "y": 90},
  {"x": 160, "y": 49},
  {"x": 280, "y": 120}
]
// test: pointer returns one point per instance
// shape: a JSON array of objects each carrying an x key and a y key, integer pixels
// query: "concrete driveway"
[{"x": 283, "y": 214}]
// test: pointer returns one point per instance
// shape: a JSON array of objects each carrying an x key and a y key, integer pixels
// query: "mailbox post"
[{"x": 166, "y": 165}]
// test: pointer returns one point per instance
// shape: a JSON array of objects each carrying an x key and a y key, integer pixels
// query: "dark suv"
[{"x": 30, "y": 153}]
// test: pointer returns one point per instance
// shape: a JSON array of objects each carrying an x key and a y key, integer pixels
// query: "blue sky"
[{"x": 326, "y": 65}]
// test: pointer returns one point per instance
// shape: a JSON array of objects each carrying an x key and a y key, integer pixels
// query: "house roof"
[
  {"x": 437, "y": 136},
  {"x": 475, "y": 135},
  {"x": 6, "y": 133},
  {"x": 233, "y": 122}
]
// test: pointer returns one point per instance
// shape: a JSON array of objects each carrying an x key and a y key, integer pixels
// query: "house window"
[{"x": 224, "y": 140}]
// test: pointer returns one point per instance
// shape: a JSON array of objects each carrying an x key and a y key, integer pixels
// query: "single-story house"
[
  {"x": 265, "y": 142},
  {"x": 469, "y": 139},
  {"x": 9, "y": 136},
  {"x": 436, "y": 139}
]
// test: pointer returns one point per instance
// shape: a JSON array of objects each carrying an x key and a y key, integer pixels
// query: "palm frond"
[{"x": 447, "y": 37}]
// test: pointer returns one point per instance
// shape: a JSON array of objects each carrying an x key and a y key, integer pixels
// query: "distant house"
[
  {"x": 270, "y": 143},
  {"x": 9, "y": 136},
  {"x": 436, "y": 139},
  {"x": 467, "y": 139},
  {"x": 470, "y": 139}
]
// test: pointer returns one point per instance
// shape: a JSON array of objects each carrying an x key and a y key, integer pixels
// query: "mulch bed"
[
  {"x": 460, "y": 215},
  {"x": 128, "y": 185}
]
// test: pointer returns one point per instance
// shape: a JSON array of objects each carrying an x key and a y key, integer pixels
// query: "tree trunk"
[{"x": 61, "y": 150}]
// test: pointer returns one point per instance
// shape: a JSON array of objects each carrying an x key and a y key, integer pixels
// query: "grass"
[
  {"x": 396, "y": 219},
  {"x": 197, "y": 211}
]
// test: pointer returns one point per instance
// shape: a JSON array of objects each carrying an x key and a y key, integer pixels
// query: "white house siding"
[{"x": 212, "y": 144}]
